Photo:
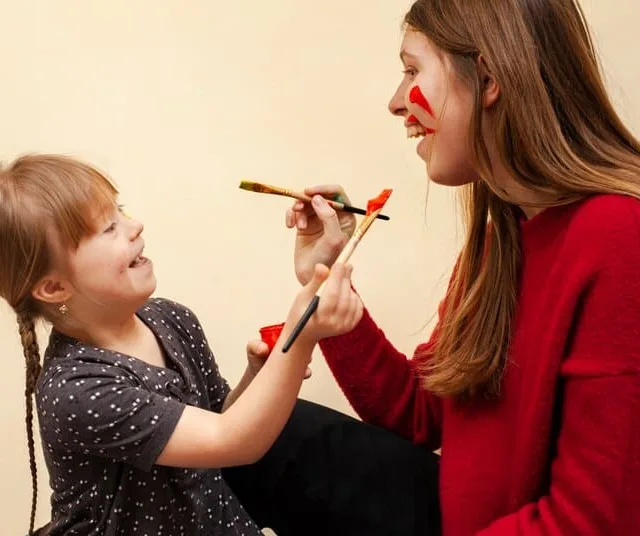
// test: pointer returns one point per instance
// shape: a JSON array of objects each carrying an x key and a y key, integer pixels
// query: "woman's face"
[{"x": 437, "y": 109}]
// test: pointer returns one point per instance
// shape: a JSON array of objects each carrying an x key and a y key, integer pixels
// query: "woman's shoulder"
[
  {"x": 603, "y": 213},
  {"x": 604, "y": 231},
  {"x": 599, "y": 225}
]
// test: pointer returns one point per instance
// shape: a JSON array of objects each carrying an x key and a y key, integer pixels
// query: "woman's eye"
[{"x": 409, "y": 71}]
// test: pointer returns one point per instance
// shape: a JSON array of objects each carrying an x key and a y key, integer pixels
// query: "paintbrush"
[
  {"x": 374, "y": 206},
  {"x": 276, "y": 190}
]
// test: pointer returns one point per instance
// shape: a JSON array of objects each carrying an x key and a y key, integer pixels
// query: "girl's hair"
[
  {"x": 558, "y": 135},
  {"x": 46, "y": 201}
]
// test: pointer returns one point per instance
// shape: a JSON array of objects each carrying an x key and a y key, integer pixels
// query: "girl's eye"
[
  {"x": 111, "y": 228},
  {"x": 121, "y": 210}
]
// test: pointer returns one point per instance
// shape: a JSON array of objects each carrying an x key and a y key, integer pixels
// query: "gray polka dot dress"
[{"x": 104, "y": 419}]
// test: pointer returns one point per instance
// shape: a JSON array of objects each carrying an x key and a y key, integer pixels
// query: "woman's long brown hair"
[
  {"x": 42, "y": 198},
  {"x": 557, "y": 134}
]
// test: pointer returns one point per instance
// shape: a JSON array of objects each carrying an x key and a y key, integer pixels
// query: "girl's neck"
[{"x": 115, "y": 334}]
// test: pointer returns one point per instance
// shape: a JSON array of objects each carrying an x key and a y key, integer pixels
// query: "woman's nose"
[{"x": 396, "y": 104}]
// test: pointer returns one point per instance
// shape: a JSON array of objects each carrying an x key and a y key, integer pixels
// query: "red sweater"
[{"x": 559, "y": 453}]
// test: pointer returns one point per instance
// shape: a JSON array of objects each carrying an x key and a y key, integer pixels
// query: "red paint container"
[{"x": 270, "y": 334}]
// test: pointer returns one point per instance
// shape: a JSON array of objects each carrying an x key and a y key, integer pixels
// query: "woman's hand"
[{"x": 321, "y": 232}]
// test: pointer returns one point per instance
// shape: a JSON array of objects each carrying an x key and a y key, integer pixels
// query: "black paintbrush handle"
[
  {"x": 361, "y": 211},
  {"x": 301, "y": 324}
]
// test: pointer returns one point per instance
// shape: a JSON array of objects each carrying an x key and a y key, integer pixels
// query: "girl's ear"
[{"x": 52, "y": 289}]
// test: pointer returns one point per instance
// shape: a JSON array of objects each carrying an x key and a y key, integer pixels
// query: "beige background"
[{"x": 179, "y": 101}]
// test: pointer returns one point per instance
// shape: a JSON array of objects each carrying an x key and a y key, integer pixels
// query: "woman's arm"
[{"x": 382, "y": 385}]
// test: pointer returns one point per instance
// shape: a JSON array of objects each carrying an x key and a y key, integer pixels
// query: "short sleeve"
[
  {"x": 187, "y": 322},
  {"x": 98, "y": 409},
  {"x": 218, "y": 387}
]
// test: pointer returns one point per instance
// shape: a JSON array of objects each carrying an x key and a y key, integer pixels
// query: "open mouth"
[
  {"x": 415, "y": 129},
  {"x": 139, "y": 261}
]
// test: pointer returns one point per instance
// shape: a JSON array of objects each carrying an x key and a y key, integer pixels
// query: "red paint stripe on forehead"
[{"x": 416, "y": 97}]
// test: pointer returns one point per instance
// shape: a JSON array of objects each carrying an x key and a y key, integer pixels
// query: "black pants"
[{"x": 331, "y": 475}]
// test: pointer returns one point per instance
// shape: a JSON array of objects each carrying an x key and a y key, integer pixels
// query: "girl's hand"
[
  {"x": 339, "y": 310},
  {"x": 257, "y": 354}
]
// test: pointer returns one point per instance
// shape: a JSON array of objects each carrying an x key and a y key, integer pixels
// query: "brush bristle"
[
  {"x": 256, "y": 187},
  {"x": 247, "y": 185},
  {"x": 378, "y": 202}
]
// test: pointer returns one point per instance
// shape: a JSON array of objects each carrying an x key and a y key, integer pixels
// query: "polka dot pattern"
[{"x": 104, "y": 419}]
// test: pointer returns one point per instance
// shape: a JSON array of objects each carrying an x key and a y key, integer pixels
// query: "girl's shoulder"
[{"x": 175, "y": 312}]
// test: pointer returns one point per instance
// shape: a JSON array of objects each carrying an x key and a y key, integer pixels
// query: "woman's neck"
[{"x": 530, "y": 212}]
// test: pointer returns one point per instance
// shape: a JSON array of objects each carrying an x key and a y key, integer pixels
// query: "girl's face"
[
  {"x": 108, "y": 267},
  {"x": 106, "y": 276},
  {"x": 437, "y": 109}
]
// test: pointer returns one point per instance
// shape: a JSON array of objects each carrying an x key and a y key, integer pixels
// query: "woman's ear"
[{"x": 488, "y": 84}]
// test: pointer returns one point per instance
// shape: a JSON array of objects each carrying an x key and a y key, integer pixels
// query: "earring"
[{"x": 63, "y": 309}]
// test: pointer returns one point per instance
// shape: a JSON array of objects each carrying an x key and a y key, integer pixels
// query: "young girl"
[
  {"x": 134, "y": 416},
  {"x": 530, "y": 382}
]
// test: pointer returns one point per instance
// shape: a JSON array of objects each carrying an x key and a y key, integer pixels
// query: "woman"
[{"x": 530, "y": 382}]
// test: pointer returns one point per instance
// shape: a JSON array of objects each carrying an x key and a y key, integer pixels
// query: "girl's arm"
[
  {"x": 91, "y": 407},
  {"x": 244, "y": 432}
]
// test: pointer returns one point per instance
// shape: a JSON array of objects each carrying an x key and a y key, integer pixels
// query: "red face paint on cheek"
[
  {"x": 416, "y": 97},
  {"x": 413, "y": 120}
]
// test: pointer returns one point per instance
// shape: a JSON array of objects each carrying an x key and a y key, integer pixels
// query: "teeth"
[{"x": 415, "y": 131}]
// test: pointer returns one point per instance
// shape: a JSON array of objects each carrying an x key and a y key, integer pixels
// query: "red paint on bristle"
[
  {"x": 378, "y": 202},
  {"x": 416, "y": 97}
]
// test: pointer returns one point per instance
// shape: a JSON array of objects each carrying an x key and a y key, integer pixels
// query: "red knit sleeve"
[
  {"x": 595, "y": 477},
  {"x": 382, "y": 385}
]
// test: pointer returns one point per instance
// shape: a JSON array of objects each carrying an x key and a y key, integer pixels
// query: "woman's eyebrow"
[{"x": 404, "y": 55}]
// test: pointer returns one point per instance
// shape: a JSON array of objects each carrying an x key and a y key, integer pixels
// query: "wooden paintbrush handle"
[
  {"x": 351, "y": 245},
  {"x": 344, "y": 256}
]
